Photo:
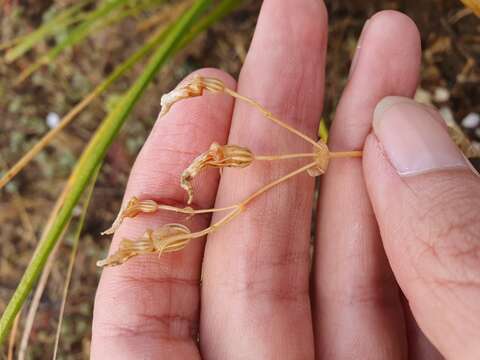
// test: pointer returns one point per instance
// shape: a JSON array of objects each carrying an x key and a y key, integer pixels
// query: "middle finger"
[{"x": 255, "y": 298}]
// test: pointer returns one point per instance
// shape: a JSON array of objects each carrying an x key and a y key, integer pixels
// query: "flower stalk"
[{"x": 174, "y": 237}]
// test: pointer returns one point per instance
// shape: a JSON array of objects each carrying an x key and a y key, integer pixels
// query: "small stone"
[
  {"x": 441, "y": 95},
  {"x": 471, "y": 121},
  {"x": 423, "y": 96},
  {"x": 53, "y": 119}
]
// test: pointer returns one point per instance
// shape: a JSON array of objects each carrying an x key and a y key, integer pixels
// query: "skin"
[{"x": 258, "y": 298}]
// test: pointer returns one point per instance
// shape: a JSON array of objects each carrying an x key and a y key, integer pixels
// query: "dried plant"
[
  {"x": 218, "y": 157},
  {"x": 474, "y": 5},
  {"x": 170, "y": 237},
  {"x": 174, "y": 237}
]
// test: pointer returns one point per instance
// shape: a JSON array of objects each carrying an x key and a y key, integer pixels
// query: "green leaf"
[{"x": 323, "y": 130}]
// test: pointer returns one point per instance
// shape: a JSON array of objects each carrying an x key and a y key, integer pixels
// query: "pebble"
[
  {"x": 441, "y": 95},
  {"x": 53, "y": 119},
  {"x": 423, "y": 96},
  {"x": 471, "y": 121}
]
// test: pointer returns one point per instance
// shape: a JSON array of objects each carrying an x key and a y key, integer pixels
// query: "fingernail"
[
  {"x": 357, "y": 50},
  {"x": 413, "y": 138}
]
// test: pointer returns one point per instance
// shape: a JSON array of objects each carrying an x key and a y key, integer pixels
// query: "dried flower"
[
  {"x": 322, "y": 159},
  {"x": 191, "y": 89},
  {"x": 168, "y": 238},
  {"x": 171, "y": 237},
  {"x": 218, "y": 156},
  {"x": 128, "y": 249},
  {"x": 133, "y": 208},
  {"x": 174, "y": 237}
]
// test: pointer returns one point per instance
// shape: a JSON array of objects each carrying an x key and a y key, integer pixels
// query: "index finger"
[{"x": 148, "y": 307}]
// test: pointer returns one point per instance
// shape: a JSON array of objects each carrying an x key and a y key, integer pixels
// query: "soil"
[{"x": 450, "y": 79}]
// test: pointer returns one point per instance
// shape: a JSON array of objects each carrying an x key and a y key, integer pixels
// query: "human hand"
[{"x": 256, "y": 298}]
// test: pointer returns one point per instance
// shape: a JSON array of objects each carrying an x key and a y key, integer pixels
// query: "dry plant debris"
[
  {"x": 474, "y": 5},
  {"x": 469, "y": 149},
  {"x": 218, "y": 157},
  {"x": 174, "y": 237}
]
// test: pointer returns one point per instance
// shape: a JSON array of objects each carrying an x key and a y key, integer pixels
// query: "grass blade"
[
  {"x": 91, "y": 158},
  {"x": 132, "y": 10},
  {"x": 58, "y": 22},
  {"x": 79, "y": 33},
  {"x": 13, "y": 336},
  {"x": 71, "y": 263},
  {"x": 221, "y": 10},
  {"x": 37, "y": 297},
  {"x": 32, "y": 310}
]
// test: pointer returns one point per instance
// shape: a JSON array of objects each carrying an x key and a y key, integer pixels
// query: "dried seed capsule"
[
  {"x": 191, "y": 89},
  {"x": 168, "y": 238},
  {"x": 171, "y": 237},
  {"x": 128, "y": 249},
  {"x": 322, "y": 159},
  {"x": 218, "y": 156},
  {"x": 133, "y": 208}
]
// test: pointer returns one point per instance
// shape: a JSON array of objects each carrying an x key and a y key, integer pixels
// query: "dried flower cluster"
[{"x": 174, "y": 237}]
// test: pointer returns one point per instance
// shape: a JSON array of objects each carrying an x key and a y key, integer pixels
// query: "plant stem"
[
  {"x": 238, "y": 208},
  {"x": 336, "y": 154},
  {"x": 284, "y": 157},
  {"x": 191, "y": 211},
  {"x": 276, "y": 182},
  {"x": 345, "y": 154},
  {"x": 271, "y": 117}
]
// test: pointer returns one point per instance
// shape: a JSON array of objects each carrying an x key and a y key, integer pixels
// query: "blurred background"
[{"x": 32, "y": 104}]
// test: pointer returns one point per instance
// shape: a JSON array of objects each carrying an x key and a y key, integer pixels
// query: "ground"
[{"x": 450, "y": 80}]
